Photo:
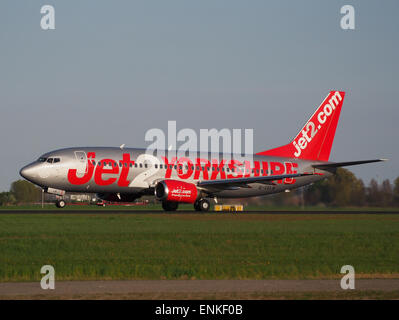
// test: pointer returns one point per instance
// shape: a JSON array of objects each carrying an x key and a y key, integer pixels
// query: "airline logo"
[
  {"x": 108, "y": 171},
  {"x": 318, "y": 122}
]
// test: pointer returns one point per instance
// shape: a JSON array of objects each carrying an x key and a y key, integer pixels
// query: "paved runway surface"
[
  {"x": 133, "y": 211},
  {"x": 66, "y": 288}
]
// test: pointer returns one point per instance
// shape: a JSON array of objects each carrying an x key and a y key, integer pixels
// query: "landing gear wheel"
[
  {"x": 204, "y": 205},
  {"x": 60, "y": 203},
  {"x": 169, "y": 206},
  {"x": 196, "y": 206}
]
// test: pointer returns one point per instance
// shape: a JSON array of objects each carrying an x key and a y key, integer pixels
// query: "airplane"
[{"x": 126, "y": 174}]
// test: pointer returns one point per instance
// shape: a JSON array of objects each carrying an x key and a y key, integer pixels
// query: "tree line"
[
  {"x": 21, "y": 191},
  {"x": 344, "y": 189},
  {"x": 341, "y": 190}
]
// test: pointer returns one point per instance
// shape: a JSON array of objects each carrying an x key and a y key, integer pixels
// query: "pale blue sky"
[{"x": 114, "y": 69}]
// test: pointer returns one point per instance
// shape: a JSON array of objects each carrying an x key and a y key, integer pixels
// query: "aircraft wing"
[
  {"x": 243, "y": 182},
  {"x": 344, "y": 164}
]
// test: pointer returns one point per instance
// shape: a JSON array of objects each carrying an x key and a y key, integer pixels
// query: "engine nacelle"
[
  {"x": 177, "y": 191},
  {"x": 115, "y": 197}
]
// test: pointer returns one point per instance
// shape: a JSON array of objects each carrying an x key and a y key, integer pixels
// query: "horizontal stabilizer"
[{"x": 344, "y": 164}]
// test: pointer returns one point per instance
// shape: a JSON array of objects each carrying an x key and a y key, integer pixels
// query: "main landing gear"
[
  {"x": 169, "y": 205},
  {"x": 202, "y": 205}
]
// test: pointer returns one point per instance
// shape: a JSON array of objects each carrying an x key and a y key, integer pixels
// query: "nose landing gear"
[{"x": 60, "y": 203}]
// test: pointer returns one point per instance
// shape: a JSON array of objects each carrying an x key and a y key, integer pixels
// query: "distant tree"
[
  {"x": 358, "y": 195},
  {"x": 312, "y": 194},
  {"x": 25, "y": 191},
  {"x": 386, "y": 194},
  {"x": 396, "y": 191},
  {"x": 342, "y": 189},
  {"x": 6, "y": 198},
  {"x": 374, "y": 194}
]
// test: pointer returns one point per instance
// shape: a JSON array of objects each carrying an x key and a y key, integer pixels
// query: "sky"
[{"x": 111, "y": 70}]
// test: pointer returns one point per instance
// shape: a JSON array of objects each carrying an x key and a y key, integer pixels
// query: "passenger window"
[
  {"x": 156, "y": 166},
  {"x": 141, "y": 165},
  {"x": 146, "y": 165}
]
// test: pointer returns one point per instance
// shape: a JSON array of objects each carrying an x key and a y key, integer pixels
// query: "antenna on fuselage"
[{"x": 122, "y": 146}]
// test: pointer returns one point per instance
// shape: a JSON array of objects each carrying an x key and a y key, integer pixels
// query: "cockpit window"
[{"x": 49, "y": 160}]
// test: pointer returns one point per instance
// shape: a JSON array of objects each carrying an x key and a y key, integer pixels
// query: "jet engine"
[{"x": 176, "y": 191}]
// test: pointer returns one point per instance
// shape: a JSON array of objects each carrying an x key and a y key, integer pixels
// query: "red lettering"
[
  {"x": 74, "y": 179},
  {"x": 235, "y": 169},
  {"x": 289, "y": 170},
  {"x": 126, "y": 162},
  {"x": 218, "y": 169},
  {"x": 102, "y": 170},
  {"x": 249, "y": 170},
  {"x": 169, "y": 166},
  {"x": 265, "y": 168},
  {"x": 180, "y": 171},
  {"x": 199, "y": 168},
  {"x": 277, "y": 169}
]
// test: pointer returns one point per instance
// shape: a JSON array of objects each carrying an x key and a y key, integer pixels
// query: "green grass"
[
  {"x": 197, "y": 246},
  {"x": 189, "y": 207}
]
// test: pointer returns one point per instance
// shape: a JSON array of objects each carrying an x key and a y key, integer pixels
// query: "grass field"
[
  {"x": 338, "y": 295},
  {"x": 188, "y": 207},
  {"x": 197, "y": 246}
]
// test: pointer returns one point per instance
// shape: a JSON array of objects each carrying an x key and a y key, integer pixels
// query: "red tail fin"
[{"x": 315, "y": 139}]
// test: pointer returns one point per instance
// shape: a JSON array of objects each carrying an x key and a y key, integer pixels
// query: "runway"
[
  {"x": 69, "y": 289},
  {"x": 134, "y": 211}
]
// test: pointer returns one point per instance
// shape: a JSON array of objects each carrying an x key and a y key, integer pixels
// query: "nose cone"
[{"x": 28, "y": 172}]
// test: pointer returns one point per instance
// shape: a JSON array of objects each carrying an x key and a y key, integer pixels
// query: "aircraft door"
[{"x": 81, "y": 167}]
